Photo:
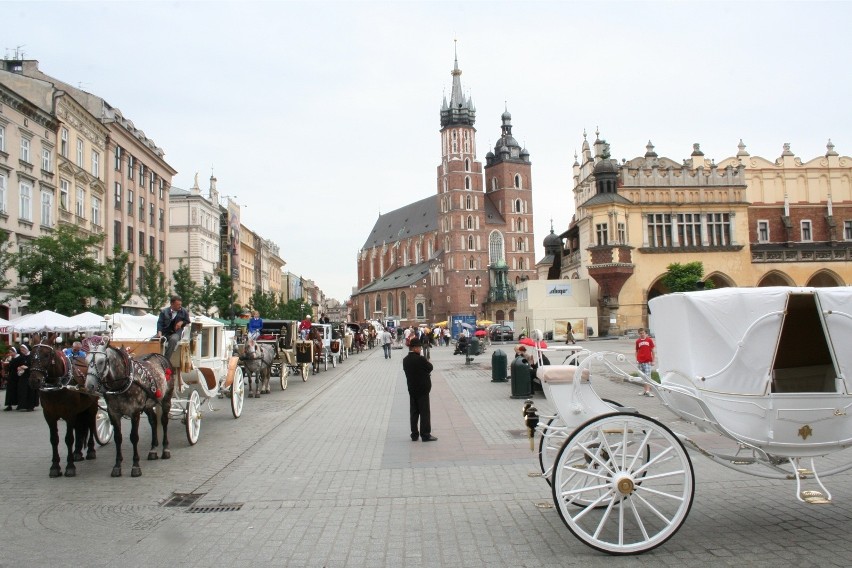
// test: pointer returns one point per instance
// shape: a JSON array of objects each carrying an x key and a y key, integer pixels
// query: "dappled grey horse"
[
  {"x": 132, "y": 386},
  {"x": 257, "y": 358}
]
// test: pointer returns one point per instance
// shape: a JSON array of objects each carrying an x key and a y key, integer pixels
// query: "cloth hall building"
[{"x": 463, "y": 249}]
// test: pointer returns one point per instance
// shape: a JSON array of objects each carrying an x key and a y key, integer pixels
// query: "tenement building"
[
  {"x": 462, "y": 250},
  {"x": 749, "y": 220}
]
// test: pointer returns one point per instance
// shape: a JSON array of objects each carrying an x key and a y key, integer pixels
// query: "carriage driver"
[
  {"x": 170, "y": 324},
  {"x": 305, "y": 327}
]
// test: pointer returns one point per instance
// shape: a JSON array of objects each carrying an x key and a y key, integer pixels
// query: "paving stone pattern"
[{"x": 324, "y": 474}]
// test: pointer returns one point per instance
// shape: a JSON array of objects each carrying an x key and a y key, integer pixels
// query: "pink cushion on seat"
[{"x": 560, "y": 374}]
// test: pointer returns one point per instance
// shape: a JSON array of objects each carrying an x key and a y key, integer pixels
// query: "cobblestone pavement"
[{"x": 324, "y": 474}]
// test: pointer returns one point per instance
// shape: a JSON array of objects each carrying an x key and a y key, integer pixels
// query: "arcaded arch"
[
  {"x": 825, "y": 278},
  {"x": 720, "y": 280},
  {"x": 775, "y": 278}
]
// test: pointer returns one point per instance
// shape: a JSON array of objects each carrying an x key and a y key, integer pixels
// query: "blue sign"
[{"x": 462, "y": 321}]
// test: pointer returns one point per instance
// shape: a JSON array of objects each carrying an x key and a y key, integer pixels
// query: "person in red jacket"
[
  {"x": 305, "y": 327},
  {"x": 646, "y": 356}
]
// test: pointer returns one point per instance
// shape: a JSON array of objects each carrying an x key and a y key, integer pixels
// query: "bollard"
[{"x": 498, "y": 366}]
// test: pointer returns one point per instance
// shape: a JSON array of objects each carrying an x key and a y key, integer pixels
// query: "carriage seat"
[
  {"x": 560, "y": 374},
  {"x": 813, "y": 378}
]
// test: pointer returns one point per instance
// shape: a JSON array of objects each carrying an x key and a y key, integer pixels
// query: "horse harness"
[
  {"x": 65, "y": 379},
  {"x": 138, "y": 373}
]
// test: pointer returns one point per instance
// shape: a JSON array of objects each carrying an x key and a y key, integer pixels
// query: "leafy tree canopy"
[
  {"x": 686, "y": 277},
  {"x": 185, "y": 287},
  {"x": 60, "y": 272},
  {"x": 205, "y": 298},
  {"x": 152, "y": 285},
  {"x": 116, "y": 292}
]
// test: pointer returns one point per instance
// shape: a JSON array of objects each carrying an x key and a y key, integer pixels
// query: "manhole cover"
[
  {"x": 183, "y": 499},
  {"x": 220, "y": 508},
  {"x": 519, "y": 433}
]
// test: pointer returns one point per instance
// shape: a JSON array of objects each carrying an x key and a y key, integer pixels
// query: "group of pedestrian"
[{"x": 19, "y": 393}]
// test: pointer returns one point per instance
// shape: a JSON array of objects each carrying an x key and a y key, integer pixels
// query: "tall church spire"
[{"x": 461, "y": 110}]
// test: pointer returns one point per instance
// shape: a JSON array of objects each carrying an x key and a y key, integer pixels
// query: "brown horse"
[
  {"x": 131, "y": 387},
  {"x": 60, "y": 383},
  {"x": 319, "y": 354}
]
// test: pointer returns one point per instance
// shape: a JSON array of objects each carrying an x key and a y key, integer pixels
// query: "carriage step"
[{"x": 815, "y": 498}]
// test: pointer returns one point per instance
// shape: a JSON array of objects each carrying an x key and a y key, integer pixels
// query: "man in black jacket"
[
  {"x": 171, "y": 323},
  {"x": 418, "y": 376}
]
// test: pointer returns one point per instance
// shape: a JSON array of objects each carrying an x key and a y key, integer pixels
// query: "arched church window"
[
  {"x": 495, "y": 247},
  {"x": 494, "y": 184},
  {"x": 518, "y": 206},
  {"x": 473, "y": 297},
  {"x": 467, "y": 165},
  {"x": 471, "y": 264},
  {"x": 470, "y": 243},
  {"x": 470, "y": 222},
  {"x": 469, "y": 203},
  {"x": 467, "y": 182},
  {"x": 517, "y": 181}
]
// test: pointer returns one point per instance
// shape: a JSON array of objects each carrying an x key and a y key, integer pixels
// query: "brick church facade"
[{"x": 463, "y": 249}]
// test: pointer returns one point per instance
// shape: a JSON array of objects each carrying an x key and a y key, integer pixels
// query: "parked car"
[{"x": 502, "y": 333}]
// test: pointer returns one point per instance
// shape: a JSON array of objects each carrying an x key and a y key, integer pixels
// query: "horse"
[
  {"x": 257, "y": 359},
  {"x": 315, "y": 337},
  {"x": 130, "y": 387},
  {"x": 59, "y": 381}
]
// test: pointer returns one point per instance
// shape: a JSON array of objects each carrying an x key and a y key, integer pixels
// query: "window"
[
  {"x": 763, "y": 231},
  {"x": 162, "y": 251},
  {"x": 517, "y": 181},
  {"x": 470, "y": 243},
  {"x": 141, "y": 208},
  {"x": 141, "y": 176},
  {"x": 130, "y": 278},
  {"x": 421, "y": 310},
  {"x": 467, "y": 165},
  {"x": 46, "y": 161},
  {"x": 117, "y": 195},
  {"x": 718, "y": 229},
  {"x": 81, "y": 202},
  {"x": 403, "y": 305},
  {"x": 96, "y": 164},
  {"x": 495, "y": 247},
  {"x": 806, "y": 231},
  {"x": 96, "y": 211},
  {"x": 601, "y": 232},
  {"x": 152, "y": 181},
  {"x": 520, "y": 244},
  {"x": 151, "y": 215},
  {"x": 467, "y": 183},
  {"x": 142, "y": 243},
  {"x": 467, "y": 280},
  {"x": 116, "y": 234},
  {"x": 162, "y": 189},
  {"x": 79, "y": 152},
  {"x": 479, "y": 281},
  {"x": 518, "y": 206},
  {"x": 847, "y": 225},
  {"x": 151, "y": 242},
  {"x": 3, "y": 185},
  {"x": 471, "y": 264},
  {"x": 493, "y": 184},
  {"x": 162, "y": 218},
  {"x": 130, "y": 165},
  {"x": 118, "y": 158},
  {"x": 622, "y": 233},
  {"x": 519, "y": 225},
  {"x": 469, "y": 222},
  {"x": 25, "y": 191},
  {"x": 689, "y": 229},
  {"x": 130, "y": 202},
  {"x": 659, "y": 229},
  {"x": 25, "y": 150},
  {"x": 378, "y": 303},
  {"x": 46, "y": 209},
  {"x": 469, "y": 203},
  {"x": 472, "y": 297},
  {"x": 2, "y": 138},
  {"x": 520, "y": 264},
  {"x": 130, "y": 239},
  {"x": 63, "y": 143}
]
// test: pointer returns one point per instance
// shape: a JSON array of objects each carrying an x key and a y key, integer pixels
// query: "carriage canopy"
[{"x": 755, "y": 340}]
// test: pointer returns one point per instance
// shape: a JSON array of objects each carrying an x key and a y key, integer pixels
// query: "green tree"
[
  {"x": 266, "y": 303},
  {"x": 205, "y": 298},
  {"x": 225, "y": 297},
  {"x": 60, "y": 272},
  {"x": 184, "y": 286},
  {"x": 685, "y": 277},
  {"x": 295, "y": 310},
  {"x": 116, "y": 292},
  {"x": 152, "y": 285}
]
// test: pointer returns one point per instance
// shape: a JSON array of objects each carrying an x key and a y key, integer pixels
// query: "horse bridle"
[
  {"x": 103, "y": 381},
  {"x": 35, "y": 365}
]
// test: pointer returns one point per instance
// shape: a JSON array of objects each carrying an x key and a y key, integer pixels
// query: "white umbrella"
[
  {"x": 44, "y": 321},
  {"x": 87, "y": 321}
]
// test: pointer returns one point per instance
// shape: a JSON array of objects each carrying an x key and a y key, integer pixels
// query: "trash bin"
[
  {"x": 498, "y": 366},
  {"x": 521, "y": 379},
  {"x": 472, "y": 349}
]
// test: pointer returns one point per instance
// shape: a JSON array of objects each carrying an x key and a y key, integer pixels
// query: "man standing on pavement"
[
  {"x": 387, "y": 339},
  {"x": 171, "y": 323},
  {"x": 645, "y": 355},
  {"x": 418, "y": 373}
]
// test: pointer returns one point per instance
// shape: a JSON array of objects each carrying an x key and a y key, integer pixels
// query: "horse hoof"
[
  {"x": 91, "y": 455},
  {"x": 153, "y": 456},
  {"x": 55, "y": 472},
  {"x": 70, "y": 472},
  {"x": 135, "y": 471},
  {"x": 167, "y": 454},
  {"x": 78, "y": 456},
  {"x": 116, "y": 472}
]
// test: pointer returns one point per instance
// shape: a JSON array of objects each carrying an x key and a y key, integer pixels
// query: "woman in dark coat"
[
  {"x": 20, "y": 367},
  {"x": 11, "y": 381}
]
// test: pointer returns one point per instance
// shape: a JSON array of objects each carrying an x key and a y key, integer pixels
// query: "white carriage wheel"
[
  {"x": 103, "y": 426},
  {"x": 635, "y": 504},
  {"x": 553, "y": 436},
  {"x": 304, "y": 371},
  {"x": 238, "y": 392},
  {"x": 193, "y": 418}
]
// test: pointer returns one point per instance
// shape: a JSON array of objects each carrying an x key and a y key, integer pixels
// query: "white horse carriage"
[
  {"x": 766, "y": 372},
  {"x": 331, "y": 347},
  {"x": 204, "y": 359}
]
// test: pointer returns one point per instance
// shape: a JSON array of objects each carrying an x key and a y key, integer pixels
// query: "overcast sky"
[{"x": 318, "y": 116}]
